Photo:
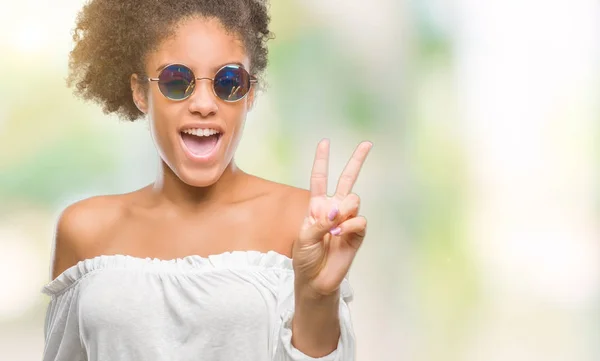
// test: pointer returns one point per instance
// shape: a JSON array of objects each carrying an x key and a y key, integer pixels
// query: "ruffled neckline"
[{"x": 226, "y": 260}]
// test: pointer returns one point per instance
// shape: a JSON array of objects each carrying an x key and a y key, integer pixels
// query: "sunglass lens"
[
  {"x": 176, "y": 82},
  {"x": 232, "y": 83}
]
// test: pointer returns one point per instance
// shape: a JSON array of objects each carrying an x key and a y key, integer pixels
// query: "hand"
[{"x": 332, "y": 231}]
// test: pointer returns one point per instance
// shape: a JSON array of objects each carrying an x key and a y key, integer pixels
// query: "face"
[{"x": 180, "y": 128}]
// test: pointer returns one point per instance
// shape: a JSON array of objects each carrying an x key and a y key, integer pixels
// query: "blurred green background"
[{"x": 482, "y": 189}]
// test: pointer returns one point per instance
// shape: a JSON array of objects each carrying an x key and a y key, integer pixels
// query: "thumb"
[{"x": 316, "y": 228}]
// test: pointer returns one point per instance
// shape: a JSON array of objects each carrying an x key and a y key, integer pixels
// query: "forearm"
[{"x": 316, "y": 323}]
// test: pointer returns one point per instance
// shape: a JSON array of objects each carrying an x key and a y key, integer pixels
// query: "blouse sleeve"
[
  {"x": 285, "y": 351},
  {"x": 61, "y": 327}
]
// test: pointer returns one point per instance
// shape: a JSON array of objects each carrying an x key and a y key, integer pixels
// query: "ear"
[{"x": 138, "y": 92}]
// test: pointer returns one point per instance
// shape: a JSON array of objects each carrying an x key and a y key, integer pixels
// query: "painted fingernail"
[
  {"x": 334, "y": 211},
  {"x": 336, "y": 231}
]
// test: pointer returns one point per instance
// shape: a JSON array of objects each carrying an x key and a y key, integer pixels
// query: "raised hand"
[{"x": 332, "y": 231}]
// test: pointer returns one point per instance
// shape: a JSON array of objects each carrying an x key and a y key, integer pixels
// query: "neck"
[{"x": 168, "y": 189}]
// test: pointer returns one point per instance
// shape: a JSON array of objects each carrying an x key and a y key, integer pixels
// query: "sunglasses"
[{"x": 231, "y": 83}]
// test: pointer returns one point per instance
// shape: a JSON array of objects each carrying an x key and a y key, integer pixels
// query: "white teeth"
[{"x": 201, "y": 132}]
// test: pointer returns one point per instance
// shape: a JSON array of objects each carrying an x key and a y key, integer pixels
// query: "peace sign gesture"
[{"x": 332, "y": 231}]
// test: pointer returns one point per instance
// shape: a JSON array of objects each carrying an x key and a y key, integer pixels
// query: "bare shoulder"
[
  {"x": 80, "y": 229},
  {"x": 294, "y": 201},
  {"x": 288, "y": 206},
  {"x": 288, "y": 200},
  {"x": 282, "y": 196}
]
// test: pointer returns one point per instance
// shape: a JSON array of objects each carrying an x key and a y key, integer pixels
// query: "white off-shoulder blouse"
[{"x": 226, "y": 307}]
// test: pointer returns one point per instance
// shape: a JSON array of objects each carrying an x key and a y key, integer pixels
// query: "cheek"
[
  {"x": 235, "y": 117},
  {"x": 155, "y": 100},
  {"x": 160, "y": 117}
]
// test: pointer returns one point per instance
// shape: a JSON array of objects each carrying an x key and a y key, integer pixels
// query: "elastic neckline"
[{"x": 225, "y": 260}]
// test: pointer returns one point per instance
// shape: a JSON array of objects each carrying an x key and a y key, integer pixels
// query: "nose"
[{"x": 203, "y": 100}]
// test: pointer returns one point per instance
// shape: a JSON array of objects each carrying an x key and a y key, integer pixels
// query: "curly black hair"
[{"x": 113, "y": 37}]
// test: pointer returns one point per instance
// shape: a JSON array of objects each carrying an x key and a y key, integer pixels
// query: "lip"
[
  {"x": 203, "y": 125},
  {"x": 205, "y": 158}
]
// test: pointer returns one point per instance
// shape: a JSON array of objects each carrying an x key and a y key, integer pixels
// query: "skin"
[{"x": 210, "y": 209}]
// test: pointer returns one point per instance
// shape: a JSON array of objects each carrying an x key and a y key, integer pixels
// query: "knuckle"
[
  {"x": 354, "y": 199},
  {"x": 322, "y": 224},
  {"x": 346, "y": 177},
  {"x": 362, "y": 221},
  {"x": 339, "y": 198}
]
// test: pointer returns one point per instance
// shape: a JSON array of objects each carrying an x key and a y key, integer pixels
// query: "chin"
[{"x": 200, "y": 178}]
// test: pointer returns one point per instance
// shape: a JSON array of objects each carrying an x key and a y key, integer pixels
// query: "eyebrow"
[{"x": 162, "y": 66}]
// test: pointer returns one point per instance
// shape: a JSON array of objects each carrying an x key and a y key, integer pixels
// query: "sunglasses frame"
[{"x": 253, "y": 80}]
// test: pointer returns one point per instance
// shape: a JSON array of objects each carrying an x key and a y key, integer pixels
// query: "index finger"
[
  {"x": 318, "y": 178},
  {"x": 352, "y": 169}
]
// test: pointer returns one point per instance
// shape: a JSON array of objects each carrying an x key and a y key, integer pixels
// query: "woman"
[{"x": 208, "y": 262}]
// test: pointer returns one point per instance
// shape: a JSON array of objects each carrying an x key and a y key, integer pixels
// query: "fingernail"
[
  {"x": 336, "y": 231},
  {"x": 334, "y": 211}
]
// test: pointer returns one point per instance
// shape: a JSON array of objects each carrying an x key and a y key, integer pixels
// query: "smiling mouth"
[{"x": 200, "y": 142}]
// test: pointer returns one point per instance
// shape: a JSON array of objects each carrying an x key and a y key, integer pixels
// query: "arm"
[
  {"x": 78, "y": 228},
  {"x": 286, "y": 349},
  {"x": 61, "y": 326},
  {"x": 64, "y": 250},
  {"x": 316, "y": 322},
  {"x": 330, "y": 236}
]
